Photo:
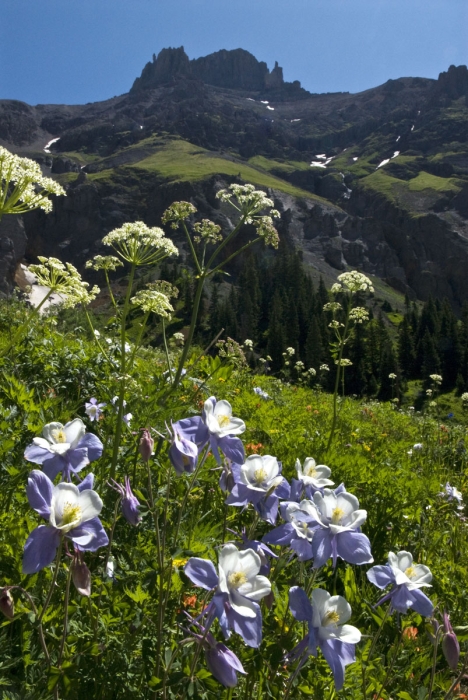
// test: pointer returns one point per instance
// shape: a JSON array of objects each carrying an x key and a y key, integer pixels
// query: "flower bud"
[
  {"x": 81, "y": 577},
  {"x": 450, "y": 645},
  {"x": 130, "y": 505},
  {"x": 7, "y": 605},
  {"x": 146, "y": 445}
]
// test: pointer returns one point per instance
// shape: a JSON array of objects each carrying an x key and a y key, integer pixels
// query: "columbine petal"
[
  {"x": 74, "y": 431},
  {"x": 39, "y": 492},
  {"x": 90, "y": 504},
  {"x": 421, "y": 603},
  {"x": 202, "y": 573},
  {"x": 89, "y": 536},
  {"x": 93, "y": 445},
  {"x": 354, "y": 547},
  {"x": 299, "y": 604},
  {"x": 242, "y": 605},
  {"x": 381, "y": 576},
  {"x": 40, "y": 549}
]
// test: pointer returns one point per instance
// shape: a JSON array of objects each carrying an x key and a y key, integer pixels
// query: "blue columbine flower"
[
  {"x": 338, "y": 535},
  {"x": 216, "y": 426},
  {"x": 406, "y": 580},
  {"x": 326, "y": 616},
  {"x": 93, "y": 409},
  {"x": 237, "y": 589},
  {"x": 64, "y": 448},
  {"x": 130, "y": 503},
  {"x": 259, "y": 481},
  {"x": 298, "y": 530},
  {"x": 71, "y": 511}
]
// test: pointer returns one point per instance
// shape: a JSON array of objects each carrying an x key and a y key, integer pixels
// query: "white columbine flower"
[
  {"x": 408, "y": 574},
  {"x": 70, "y": 508},
  {"x": 220, "y": 421},
  {"x": 59, "y": 438},
  {"x": 294, "y": 513},
  {"x": 339, "y": 512},
  {"x": 312, "y": 474},
  {"x": 261, "y": 473},
  {"x": 329, "y": 615},
  {"x": 238, "y": 577}
]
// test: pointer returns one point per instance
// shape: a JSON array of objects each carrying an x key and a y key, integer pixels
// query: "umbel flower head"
[
  {"x": 64, "y": 279},
  {"x": 71, "y": 511},
  {"x": 326, "y": 617},
  {"x": 149, "y": 300},
  {"x": 177, "y": 212},
  {"x": 138, "y": 244},
  {"x": 104, "y": 262},
  {"x": 22, "y": 185},
  {"x": 352, "y": 282},
  {"x": 255, "y": 208},
  {"x": 64, "y": 448}
]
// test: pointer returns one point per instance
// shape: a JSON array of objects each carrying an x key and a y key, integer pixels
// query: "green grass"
[
  {"x": 426, "y": 181},
  {"x": 269, "y": 164},
  {"x": 181, "y": 160}
]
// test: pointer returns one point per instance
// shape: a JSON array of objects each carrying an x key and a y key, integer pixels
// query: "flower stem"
[
  {"x": 434, "y": 663},
  {"x": 372, "y": 649},
  {"x": 166, "y": 350},
  {"x": 193, "y": 321},
  {"x": 339, "y": 369},
  {"x": 65, "y": 617},
  {"x": 54, "y": 579}
]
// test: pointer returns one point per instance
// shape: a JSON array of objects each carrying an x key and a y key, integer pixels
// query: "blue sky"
[{"x": 77, "y": 51}]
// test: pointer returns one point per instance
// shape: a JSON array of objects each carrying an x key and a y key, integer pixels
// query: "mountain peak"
[{"x": 237, "y": 69}]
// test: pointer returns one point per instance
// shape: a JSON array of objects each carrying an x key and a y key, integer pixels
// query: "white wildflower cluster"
[
  {"x": 22, "y": 185},
  {"x": 324, "y": 368},
  {"x": 335, "y": 324},
  {"x": 179, "y": 338},
  {"x": 149, "y": 300},
  {"x": 343, "y": 362},
  {"x": 352, "y": 282},
  {"x": 299, "y": 366},
  {"x": 290, "y": 351},
  {"x": 248, "y": 344},
  {"x": 392, "y": 376},
  {"x": 464, "y": 397},
  {"x": 166, "y": 288},
  {"x": 177, "y": 212},
  {"x": 64, "y": 279},
  {"x": 266, "y": 230},
  {"x": 231, "y": 350},
  {"x": 359, "y": 314},
  {"x": 208, "y": 231},
  {"x": 428, "y": 392},
  {"x": 104, "y": 262},
  {"x": 332, "y": 306},
  {"x": 436, "y": 378},
  {"x": 311, "y": 372},
  {"x": 138, "y": 244},
  {"x": 249, "y": 199}
]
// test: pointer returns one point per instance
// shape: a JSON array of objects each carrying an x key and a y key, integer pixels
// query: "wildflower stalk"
[
  {"x": 65, "y": 618},
  {"x": 339, "y": 370},
  {"x": 54, "y": 579},
  {"x": 434, "y": 663},
  {"x": 457, "y": 680},
  {"x": 372, "y": 649},
  {"x": 39, "y": 626},
  {"x": 166, "y": 350},
  {"x": 120, "y": 405}
]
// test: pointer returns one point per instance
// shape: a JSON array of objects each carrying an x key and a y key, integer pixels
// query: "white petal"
[
  {"x": 60, "y": 448},
  {"x": 242, "y": 605},
  {"x": 320, "y": 599},
  {"x": 42, "y": 442},
  {"x": 49, "y": 429},
  {"x": 90, "y": 504},
  {"x": 357, "y": 519},
  {"x": 223, "y": 408},
  {"x": 74, "y": 431},
  {"x": 228, "y": 558},
  {"x": 259, "y": 588},
  {"x": 341, "y": 606},
  {"x": 405, "y": 560},
  {"x": 346, "y": 633},
  {"x": 347, "y": 502},
  {"x": 249, "y": 563},
  {"x": 422, "y": 574},
  {"x": 236, "y": 426}
]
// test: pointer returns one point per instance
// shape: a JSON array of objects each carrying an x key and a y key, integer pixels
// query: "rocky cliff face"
[{"x": 376, "y": 180}]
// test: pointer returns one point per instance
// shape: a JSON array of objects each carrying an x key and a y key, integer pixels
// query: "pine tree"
[{"x": 406, "y": 352}]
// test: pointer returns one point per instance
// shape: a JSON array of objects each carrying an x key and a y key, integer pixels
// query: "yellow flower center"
[
  {"x": 260, "y": 475},
  {"x": 237, "y": 579},
  {"x": 331, "y": 618},
  {"x": 337, "y": 515},
  {"x": 71, "y": 514},
  {"x": 310, "y": 471},
  {"x": 223, "y": 421},
  {"x": 59, "y": 435},
  {"x": 410, "y": 571}
]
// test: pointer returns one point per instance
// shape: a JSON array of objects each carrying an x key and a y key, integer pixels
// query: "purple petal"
[
  {"x": 232, "y": 448},
  {"x": 354, "y": 547},
  {"x": 381, "y": 576},
  {"x": 193, "y": 429},
  {"x": 337, "y": 655},
  {"x": 224, "y": 665},
  {"x": 77, "y": 458},
  {"x": 401, "y": 598},
  {"x": 283, "y": 490},
  {"x": 39, "y": 492},
  {"x": 89, "y": 536},
  {"x": 239, "y": 496},
  {"x": 303, "y": 549},
  {"x": 322, "y": 547},
  {"x": 202, "y": 573},
  {"x": 87, "y": 483},
  {"x": 249, "y": 628},
  {"x": 421, "y": 603},
  {"x": 300, "y": 605},
  {"x": 297, "y": 487},
  {"x": 36, "y": 454},
  {"x": 53, "y": 466},
  {"x": 93, "y": 444},
  {"x": 40, "y": 549},
  {"x": 268, "y": 508},
  {"x": 280, "y": 535}
]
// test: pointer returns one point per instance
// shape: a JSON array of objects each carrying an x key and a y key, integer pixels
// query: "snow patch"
[
  {"x": 317, "y": 164},
  {"x": 329, "y": 160},
  {"x": 384, "y": 162},
  {"x": 251, "y": 99},
  {"x": 397, "y": 139},
  {"x": 264, "y": 102},
  {"x": 141, "y": 126},
  {"x": 46, "y": 148},
  {"x": 396, "y": 153},
  {"x": 272, "y": 108},
  {"x": 295, "y": 120},
  {"x": 355, "y": 158},
  {"x": 321, "y": 156},
  {"x": 412, "y": 128}
]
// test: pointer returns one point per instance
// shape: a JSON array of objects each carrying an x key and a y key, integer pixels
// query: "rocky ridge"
[{"x": 376, "y": 180}]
